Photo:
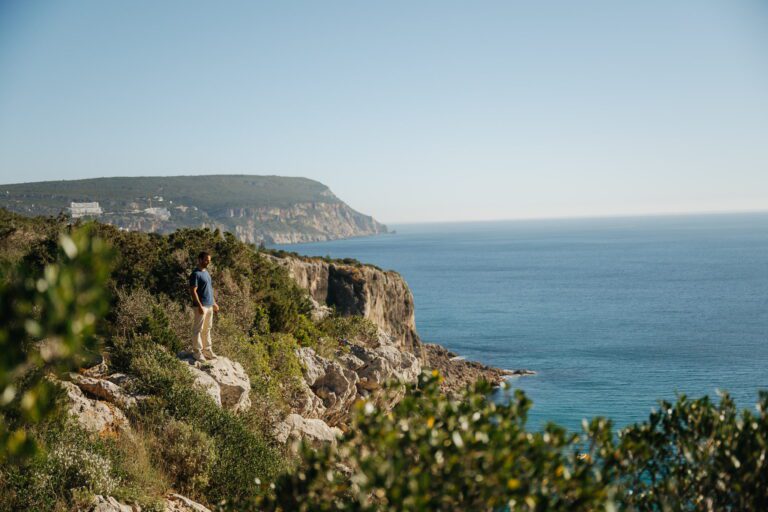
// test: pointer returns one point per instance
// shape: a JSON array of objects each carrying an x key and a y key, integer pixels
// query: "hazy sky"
[{"x": 409, "y": 111}]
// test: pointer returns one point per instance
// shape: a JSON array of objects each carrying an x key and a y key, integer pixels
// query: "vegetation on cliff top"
[
  {"x": 273, "y": 209},
  {"x": 210, "y": 192},
  {"x": 431, "y": 452}
]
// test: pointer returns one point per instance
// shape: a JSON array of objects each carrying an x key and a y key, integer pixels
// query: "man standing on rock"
[{"x": 201, "y": 288}]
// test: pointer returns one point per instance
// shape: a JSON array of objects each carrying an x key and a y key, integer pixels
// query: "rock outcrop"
[
  {"x": 334, "y": 385},
  {"x": 312, "y": 430},
  {"x": 173, "y": 503},
  {"x": 97, "y": 416},
  {"x": 224, "y": 380},
  {"x": 299, "y": 223},
  {"x": 381, "y": 296},
  {"x": 105, "y": 389},
  {"x": 178, "y": 503},
  {"x": 110, "y": 504},
  {"x": 359, "y": 371},
  {"x": 458, "y": 373},
  {"x": 377, "y": 366}
]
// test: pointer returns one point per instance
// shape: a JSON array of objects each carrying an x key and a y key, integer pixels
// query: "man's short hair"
[{"x": 202, "y": 255}]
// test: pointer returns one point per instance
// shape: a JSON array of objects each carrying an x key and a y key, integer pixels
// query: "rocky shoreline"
[
  {"x": 385, "y": 298},
  {"x": 458, "y": 373}
]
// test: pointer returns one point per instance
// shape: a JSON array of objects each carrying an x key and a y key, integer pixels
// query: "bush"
[
  {"x": 69, "y": 468},
  {"x": 306, "y": 333},
  {"x": 186, "y": 454},
  {"x": 269, "y": 360},
  {"x": 355, "y": 329},
  {"x": 141, "y": 480},
  {"x": 157, "y": 326},
  {"x": 166, "y": 321},
  {"x": 48, "y": 323},
  {"x": 242, "y": 454},
  {"x": 695, "y": 455},
  {"x": 436, "y": 453}
]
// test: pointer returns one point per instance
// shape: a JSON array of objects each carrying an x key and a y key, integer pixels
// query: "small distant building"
[
  {"x": 78, "y": 210},
  {"x": 160, "y": 213}
]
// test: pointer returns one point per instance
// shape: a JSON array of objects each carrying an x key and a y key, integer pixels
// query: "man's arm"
[
  {"x": 215, "y": 304},
  {"x": 193, "y": 292}
]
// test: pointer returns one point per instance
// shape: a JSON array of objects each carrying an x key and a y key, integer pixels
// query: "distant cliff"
[{"x": 269, "y": 209}]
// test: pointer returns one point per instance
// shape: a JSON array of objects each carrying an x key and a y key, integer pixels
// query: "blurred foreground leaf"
[{"x": 47, "y": 325}]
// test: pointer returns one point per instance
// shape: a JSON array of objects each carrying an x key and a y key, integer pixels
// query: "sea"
[{"x": 613, "y": 314}]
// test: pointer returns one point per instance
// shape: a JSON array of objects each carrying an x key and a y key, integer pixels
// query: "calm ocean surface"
[{"x": 613, "y": 314}]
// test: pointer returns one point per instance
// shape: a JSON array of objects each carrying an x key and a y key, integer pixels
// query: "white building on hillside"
[
  {"x": 82, "y": 209},
  {"x": 160, "y": 213}
]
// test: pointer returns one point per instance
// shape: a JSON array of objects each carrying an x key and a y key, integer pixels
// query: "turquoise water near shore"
[{"x": 612, "y": 313}]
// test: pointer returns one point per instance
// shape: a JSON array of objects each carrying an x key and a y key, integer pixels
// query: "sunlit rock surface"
[{"x": 225, "y": 380}]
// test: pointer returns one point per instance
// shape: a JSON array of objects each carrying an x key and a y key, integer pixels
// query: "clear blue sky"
[{"x": 410, "y": 111}]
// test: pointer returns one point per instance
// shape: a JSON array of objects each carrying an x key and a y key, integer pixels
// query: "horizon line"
[{"x": 694, "y": 213}]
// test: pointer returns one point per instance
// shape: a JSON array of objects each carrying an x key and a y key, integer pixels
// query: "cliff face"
[
  {"x": 300, "y": 223},
  {"x": 384, "y": 298},
  {"x": 381, "y": 296}
]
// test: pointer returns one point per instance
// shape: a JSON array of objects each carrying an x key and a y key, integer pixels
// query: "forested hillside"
[{"x": 271, "y": 209}]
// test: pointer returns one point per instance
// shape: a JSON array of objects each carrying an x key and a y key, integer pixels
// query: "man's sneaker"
[
  {"x": 199, "y": 357},
  {"x": 210, "y": 355}
]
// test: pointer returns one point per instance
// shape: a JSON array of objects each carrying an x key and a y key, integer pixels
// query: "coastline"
[{"x": 458, "y": 373}]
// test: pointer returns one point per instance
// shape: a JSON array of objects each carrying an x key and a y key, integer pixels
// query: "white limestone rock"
[
  {"x": 225, "y": 380},
  {"x": 104, "y": 390},
  {"x": 233, "y": 381},
  {"x": 313, "y": 430},
  {"x": 95, "y": 416},
  {"x": 206, "y": 383},
  {"x": 110, "y": 504},
  {"x": 334, "y": 384},
  {"x": 319, "y": 311},
  {"x": 179, "y": 503},
  {"x": 306, "y": 403},
  {"x": 312, "y": 365},
  {"x": 384, "y": 364}
]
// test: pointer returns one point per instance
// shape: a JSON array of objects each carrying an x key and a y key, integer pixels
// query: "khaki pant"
[{"x": 201, "y": 340}]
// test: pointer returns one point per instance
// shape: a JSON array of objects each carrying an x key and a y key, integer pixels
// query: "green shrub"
[
  {"x": 269, "y": 360},
  {"x": 186, "y": 454},
  {"x": 68, "y": 469},
  {"x": 242, "y": 454},
  {"x": 157, "y": 326},
  {"x": 437, "y": 453},
  {"x": 139, "y": 311},
  {"x": 260, "y": 321},
  {"x": 307, "y": 333},
  {"x": 283, "y": 310},
  {"x": 355, "y": 329},
  {"x": 48, "y": 322},
  {"x": 141, "y": 479},
  {"x": 695, "y": 455}
]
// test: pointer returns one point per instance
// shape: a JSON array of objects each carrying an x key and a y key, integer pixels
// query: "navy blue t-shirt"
[{"x": 202, "y": 280}]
